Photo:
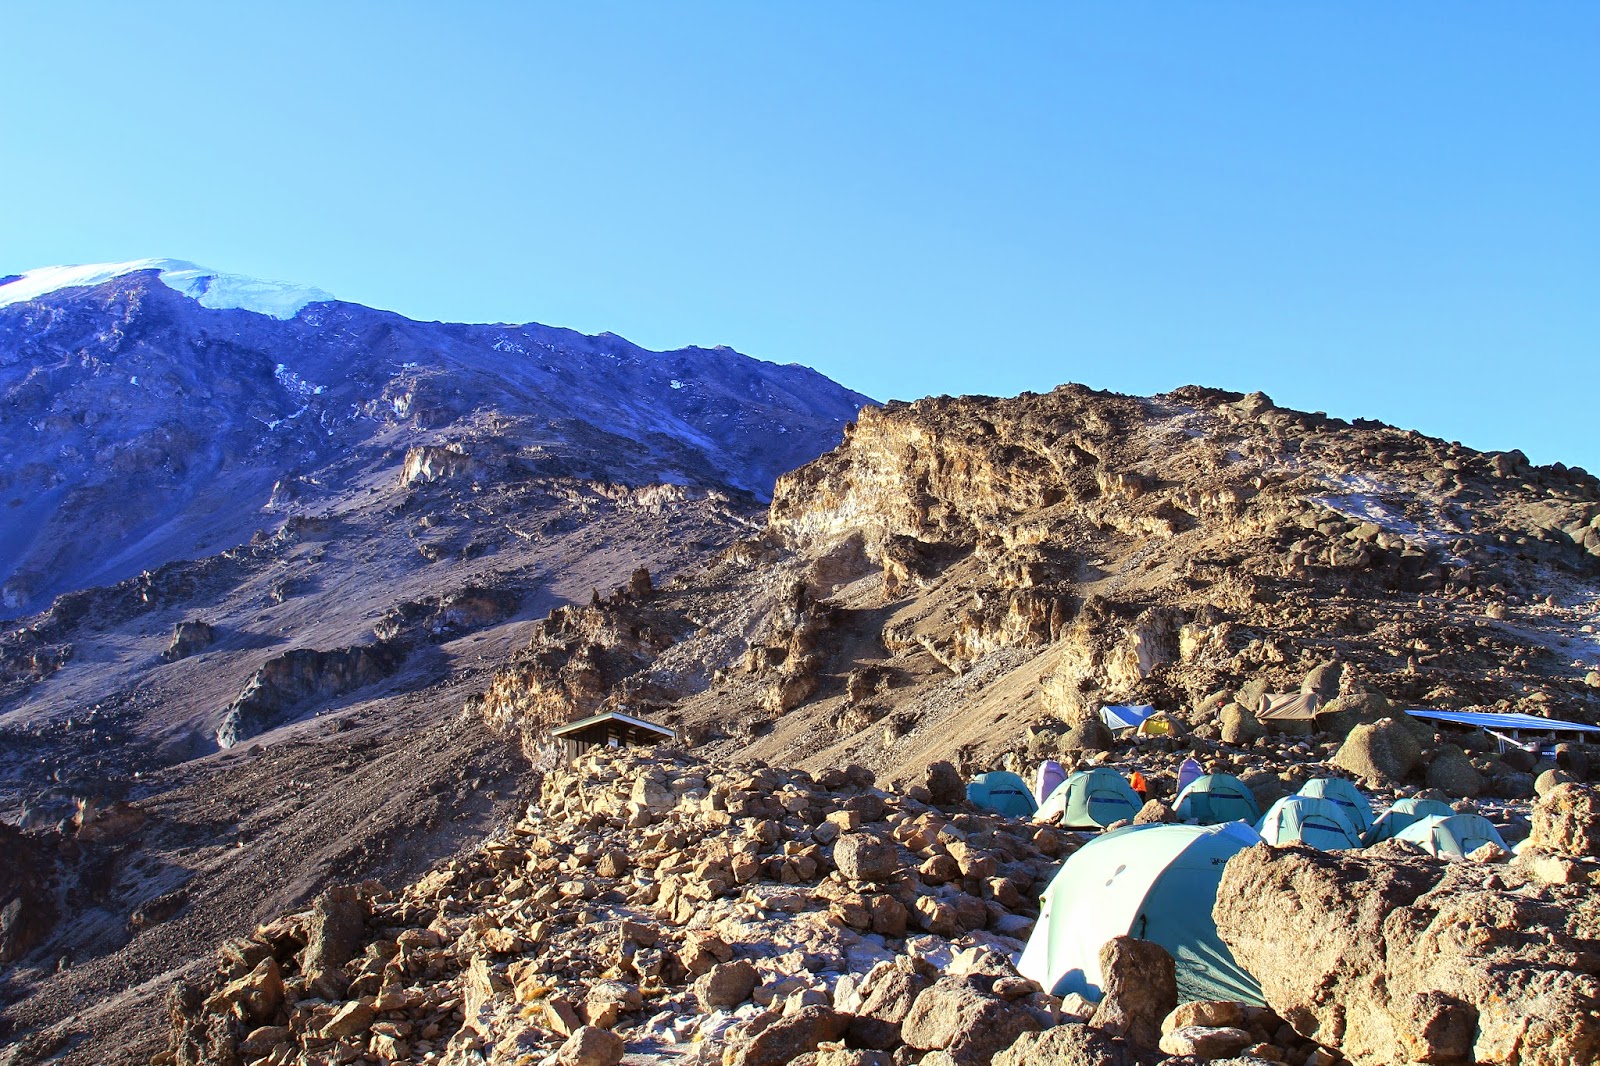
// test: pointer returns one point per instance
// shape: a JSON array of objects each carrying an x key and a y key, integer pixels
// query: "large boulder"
[
  {"x": 27, "y": 905},
  {"x": 890, "y": 992},
  {"x": 1452, "y": 773},
  {"x": 773, "y": 1040},
  {"x": 338, "y": 924},
  {"x": 1382, "y": 754},
  {"x": 1396, "y": 958},
  {"x": 1574, "y": 759},
  {"x": 1342, "y": 714},
  {"x": 1547, "y": 781},
  {"x": 1091, "y": 734},
  {"x": 962, "y": 1016},
  {"x": 945, "y": 783},
  {"x": 1240, "y": 726},
  {"x": 1323, "y": 680},
  {"x": 1068, "y": 1045},
  {"x": 1140, "y": 984},
  {"x": 864, "y": 857},
  {"x": 1566, "y": 820}
]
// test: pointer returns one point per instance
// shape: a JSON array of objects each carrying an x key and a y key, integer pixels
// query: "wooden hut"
[{"x": 610, "y": 730}]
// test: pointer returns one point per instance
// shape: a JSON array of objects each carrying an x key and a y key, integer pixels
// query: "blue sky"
[{"x": 1375, "y": 210}]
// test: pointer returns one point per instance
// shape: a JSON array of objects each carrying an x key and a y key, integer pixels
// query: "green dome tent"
[
  {"x": 1404, "y": 812},
  {"x": 1454, "y": 837},
  {"x": 1154, "y": 882},
  {"x": 1357, "y": 811},
  {"x": 1001, "y": 791},
  {"x": 1216, "y": 798},
  {"x": 1308, "y": 820},
  {"x": 1091, "y": 799}
]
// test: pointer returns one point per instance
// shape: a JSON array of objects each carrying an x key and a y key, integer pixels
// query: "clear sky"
[{"x": 1373, "y": 209}]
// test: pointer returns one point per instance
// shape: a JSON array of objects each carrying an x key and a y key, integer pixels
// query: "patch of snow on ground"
[
  {"x": 296, "y": 384},
  {"x": 208, "y": 288},
  {"x": 676, "y": 384},
  {"x": 1368, "y": 501}
]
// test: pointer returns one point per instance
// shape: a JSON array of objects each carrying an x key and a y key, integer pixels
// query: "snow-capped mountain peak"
[{"x": 209, "y": 288}]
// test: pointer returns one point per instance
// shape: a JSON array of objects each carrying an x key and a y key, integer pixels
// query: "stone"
[
  {"x": 1206, "y": 1041},
  {"x": 727, "y": 984},
  {"x": 608, "y": 1001},
  {"x": 1452, "y": 773},
  {"x": 1340, "y": 715},
  {"x": 959, "y": 1015},
  {"x": 1139, "y": 982},
  {"x": 591, "y": 1046},
  {"x": 945, "y": 784},
  {"x": 349, "y": 1020},
  {"x": 1090, "y": 734},
  {"x": 1068, "y": 1045},
  {"x": 1216, "y": 1013},
  {"x": 1383, "y": 754},
  {"x": 890, "y": 992},
  {"x": 1548, "y": 780},
  {"x": 1154, "y": 812},
  {"x": 338, "y": 923},
  {"x": 863, "y": 857},
  {"x": 1574, "y": 759},
  {"x": 1240, "y": 727},
  {"x": 774, "y": 1040},
  {"x": 1566, "y": 820},
  {"x": 1392, "y": 957}
]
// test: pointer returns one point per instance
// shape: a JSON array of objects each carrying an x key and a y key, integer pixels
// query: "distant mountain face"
[{"x": 153, "y": 410}]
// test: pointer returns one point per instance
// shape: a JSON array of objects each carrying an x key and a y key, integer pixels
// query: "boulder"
[
  {"x": 1383, "y": 754},
  {"x": 774, "y": 1040},
  {"x": 591, "y": 1046},
  {"x": 1452, "y": 773},
  {"x": 1342, "y": 714},
  {"x": 1392, "y": 957},
  {"x": 864, "y": 857},
  {"x": 1323, "y": 680},
  {"x": 1566, "y": 820},
  {"x": 1091, "y": 734},
  {"x": 1207, "y": 1012},
  {"x": 1207, "y": 1041},
  {"x": 945, "y": 784},
  {"x": 961, "y": 1016},
  {"x": 1068, "y": 1045},
  {"x": 1547, "y": 781},
  {"x": 338, "y": 924},
  {"x": 890, "y": 992},
  {"x": 1239, "y": 726},
  {"x": 727, "y": 984},
  {"x": 1574, "y": 759},
  {"x": 1140, "y": 988}
]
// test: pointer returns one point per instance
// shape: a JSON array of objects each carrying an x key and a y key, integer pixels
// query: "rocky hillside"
[
  {"x": 961, "y": 571},
  {"x": 261, "y": 546},
  {"x": 654, "y": 908}
]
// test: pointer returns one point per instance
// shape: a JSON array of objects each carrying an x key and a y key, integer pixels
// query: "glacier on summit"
[{"x": 209, "y": 288}]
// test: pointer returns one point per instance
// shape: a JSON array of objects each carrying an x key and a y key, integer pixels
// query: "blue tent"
[
  {"x": 1358, "y": 812},
  {"x": 1216, "y": 798},
  {"x": 1002, "y": 791},
  {"x": 1404, "y": 812},
  {"x": 1308, "y": 820},
  {"x": 1126, "y": 715},
  {"x": 1091, "y": 799},
  {"x": 1154, "y": 882},
  {"x": 1454, "y": 837}
]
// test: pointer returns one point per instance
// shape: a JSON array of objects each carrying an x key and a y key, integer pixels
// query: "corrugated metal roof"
[
  {"x": 1504, "y": 720},
  {"x": 611, "y": 716}
]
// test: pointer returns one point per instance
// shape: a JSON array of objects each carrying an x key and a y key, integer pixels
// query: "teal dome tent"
[
  {"x": 1404, "y": 812},
  {"x": 1216, "y": 798},
  {"x": 1001, "y": 791},
  {"x": 1091, "y": 799},
  {"x": 1358, "y": 812},
  {"x": 1318, "y": 823},
  {"x": 1153, "y": 882},
  {"x": 1454, "y": 837}
]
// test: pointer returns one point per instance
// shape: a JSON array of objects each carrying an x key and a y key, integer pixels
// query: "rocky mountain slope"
[
  {"x": 139, "y": 425},
  {"x": 963, "y": 571},
  {"x": 259, "y": 548}
]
